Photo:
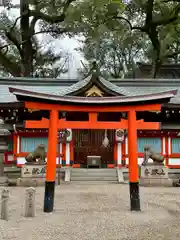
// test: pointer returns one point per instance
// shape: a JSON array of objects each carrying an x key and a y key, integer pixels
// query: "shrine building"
[{"x": 29, "y": 127}]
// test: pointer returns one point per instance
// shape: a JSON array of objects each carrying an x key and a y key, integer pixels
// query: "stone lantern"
[{"x": 4, "y": 133}]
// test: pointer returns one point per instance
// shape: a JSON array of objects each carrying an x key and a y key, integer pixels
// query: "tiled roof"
[
  {"x": 154, "y": 90},
  {"x": 76, "y": 86},
  {"x": 24, "y": 94},
  {"x": 125, "y": 87},
  {"x": 165, "y": 71},
  {"x": 108, "y": 84},
  {"x": 51, "y": 86},
  {"x": 37, "y": 81},
  {"x": 6, "y": 96},
  {"x": 120, "y": 90},
  {"x": 150, "y": 86}
]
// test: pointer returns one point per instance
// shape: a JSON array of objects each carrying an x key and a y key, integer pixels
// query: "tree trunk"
[
  {"x": 155, "y": 67},
  {"x": 27, "y": 51}
]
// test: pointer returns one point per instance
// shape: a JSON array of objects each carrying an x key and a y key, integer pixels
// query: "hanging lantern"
[
  {"x": 119, "y": 135},
  {"x": 105, "y": 142},
  {"x": 62, "y": 136}
]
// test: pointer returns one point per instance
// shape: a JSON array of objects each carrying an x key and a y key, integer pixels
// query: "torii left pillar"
[
  {"x": 51, "y": 162},
  {"x": 133, "y": 162}
]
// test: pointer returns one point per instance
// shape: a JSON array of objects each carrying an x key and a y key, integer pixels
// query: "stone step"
[
  {"x": 3, "y": 179},
  {"x": 12, "y": 169},
  {"x": 3, "y": 185},
  {"x": 88, "y": 178},
  {"x": 93, "y": 182},
  {"x": 12, "y": 181},
  {"x": 93, "y": 174},
  {"x": 156, "y": 182},
  {"x": 13, "y": 175},
  {"x": 93, "y": 169}
]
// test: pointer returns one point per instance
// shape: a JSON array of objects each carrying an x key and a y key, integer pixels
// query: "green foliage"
[
  {"x": 115, "y": 53},
  {"x": 145, "y": 27},
  {"x": 43, "y": 58},
  {"x": 117, "y": 33},
  {"x": 20, "y": 51}
]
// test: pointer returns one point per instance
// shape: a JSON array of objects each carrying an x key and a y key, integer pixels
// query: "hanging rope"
[{"x": 105, "y": 142}]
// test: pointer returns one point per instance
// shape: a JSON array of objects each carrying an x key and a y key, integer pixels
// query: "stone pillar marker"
[
  {"x": 30, "y": 202},
  {"x": 4, "y": 204}
]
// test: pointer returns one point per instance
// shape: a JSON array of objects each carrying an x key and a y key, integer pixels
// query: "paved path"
[{"x": 94, "y": 213}]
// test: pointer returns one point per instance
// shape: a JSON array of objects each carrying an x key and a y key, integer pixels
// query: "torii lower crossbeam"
[{"x": 63, "y": 124}]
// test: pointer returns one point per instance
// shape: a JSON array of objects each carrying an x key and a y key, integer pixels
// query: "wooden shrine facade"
[
  {"x": 76, "y": 151},
  {"x": 76, "y": 155}
]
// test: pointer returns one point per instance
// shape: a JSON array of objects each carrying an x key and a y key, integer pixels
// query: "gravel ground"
[{"x": 95, "y": 212}]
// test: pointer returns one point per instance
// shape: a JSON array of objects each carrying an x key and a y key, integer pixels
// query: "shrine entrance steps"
[{"x": 93, "y": 176}]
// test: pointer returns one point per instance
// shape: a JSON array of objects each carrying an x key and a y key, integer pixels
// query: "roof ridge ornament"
[
  {"x": 95, "y": 69},
  {"x": 94, "y": 66}
]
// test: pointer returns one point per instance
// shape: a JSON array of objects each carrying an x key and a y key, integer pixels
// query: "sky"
[{"x": 66, "y": 44}]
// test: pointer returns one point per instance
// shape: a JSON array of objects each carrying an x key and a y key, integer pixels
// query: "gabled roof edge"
[{"x": 93, "y": 100}]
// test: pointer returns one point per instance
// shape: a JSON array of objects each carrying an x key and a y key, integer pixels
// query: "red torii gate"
[{"x": 92, "y": 105}]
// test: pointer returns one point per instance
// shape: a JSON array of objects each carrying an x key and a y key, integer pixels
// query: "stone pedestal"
[
  {"x": 30, "y": 182},
  {"x": 33, "y": 171},
  {"x": 35, "y": 175},
  {"x": 155, "y": 175},
  {"x": 32, "y": 175}
]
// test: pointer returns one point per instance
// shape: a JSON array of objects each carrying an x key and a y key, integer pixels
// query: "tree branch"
[
  {"x": 173, "y": 17},
  {"x": 4, "y": 46},
  {"x": 167, "y": 1},
  {"x": 32, "y": 26},
  {"x": 130, "y": 25},
  {"x": 14, "y": 40},
  {"x": 51, "y": 19},
  {"x": 172, "y": 55},
  {"x": 59, "y": 31},
  {"x": 15, "y": 22},
  {"x": 46, "y": 17},
  {"x": 40, "y": 32},
  {"x": 149, "y": 12},
  {"x": 11, "y": 67}
]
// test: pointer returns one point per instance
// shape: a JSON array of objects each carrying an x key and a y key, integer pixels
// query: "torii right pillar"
[{"x": 133, "y": 162}]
